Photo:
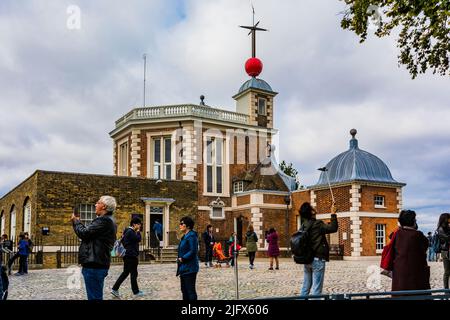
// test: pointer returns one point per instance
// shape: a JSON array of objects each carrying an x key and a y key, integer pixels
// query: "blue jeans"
[
  {"x": 94, "y": 280},
  {"x": 431, "y": 254},
  {"x": 188, "y": 286},
  {"x": 313, "y": 277}
]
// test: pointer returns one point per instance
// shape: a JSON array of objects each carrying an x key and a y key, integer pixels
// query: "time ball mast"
[{"x": 253, "y": 66}]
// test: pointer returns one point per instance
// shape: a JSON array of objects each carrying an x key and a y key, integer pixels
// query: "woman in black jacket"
[
  {"x": 444, "y": 237},
  {"x": 314, "y": 272},
  {"x": 131, "y": 238}
]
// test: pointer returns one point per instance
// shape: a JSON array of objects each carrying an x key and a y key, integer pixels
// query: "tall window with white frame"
[
  {"x": 162, "y": 158},
  {"x": 380, "y": 237},
  {"x": 27, "y": 217},
  {"x": 123, "y": 159},
  {"x": 262, "y": 107},
  {"x": 214, "y": 165},
  {"x": 87, "y": 213},
  {"x": 12, "y": 224}
]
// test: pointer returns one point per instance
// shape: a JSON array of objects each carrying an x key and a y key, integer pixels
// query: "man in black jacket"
[
  {"x": 130, "y": 239},
  {"x": 314, "y": 273},
  {"x": 98, "y": 239},
  {"x": 208, "y": 239}
]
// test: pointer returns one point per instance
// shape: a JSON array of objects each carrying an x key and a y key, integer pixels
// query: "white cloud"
[{"x": 61, "y": 90}]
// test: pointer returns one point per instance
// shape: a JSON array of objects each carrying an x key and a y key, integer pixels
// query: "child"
[{"x": 231, "y": 249}]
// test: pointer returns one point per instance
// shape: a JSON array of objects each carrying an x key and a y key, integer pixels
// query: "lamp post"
[
  {"x": 287, "y": 200},
  {"x": 236, "y": 278}
]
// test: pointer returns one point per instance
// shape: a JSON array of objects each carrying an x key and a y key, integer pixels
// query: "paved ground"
[{"x": 159, "y": 281}]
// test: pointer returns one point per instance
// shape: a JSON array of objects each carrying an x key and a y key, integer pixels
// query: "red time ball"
[{"x": 253, "y": 67}]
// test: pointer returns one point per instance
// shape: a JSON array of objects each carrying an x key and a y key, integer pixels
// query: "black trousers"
[
  {"x": 188, "y": 286},
  {"x": 208, "y": 254},
  {"x": 11, "y": 261},
  {"x": 130, "y": 265},
  {"x": 23, "y": 264},
  {"x": 446, "y": 260},
  {"x": 251, "y": 257}
]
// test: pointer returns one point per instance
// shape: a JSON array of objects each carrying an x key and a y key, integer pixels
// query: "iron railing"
[
  {"x": 435, "y": 294},
  {"x": 149, "y": 249}
]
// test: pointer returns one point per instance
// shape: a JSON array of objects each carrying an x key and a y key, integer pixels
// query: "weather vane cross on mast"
[{"x": 253, "y": 30}]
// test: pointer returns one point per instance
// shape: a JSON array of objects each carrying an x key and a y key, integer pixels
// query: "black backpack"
[
  {"x": 435, "y": 243},
  {"x": 301, "y": 246}
]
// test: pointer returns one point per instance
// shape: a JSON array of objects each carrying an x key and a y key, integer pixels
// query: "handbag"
[
  {"x": 118, "y": 248},
  {"x": 388, "y": 254}
]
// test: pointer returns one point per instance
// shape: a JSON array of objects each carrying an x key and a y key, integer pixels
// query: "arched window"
[
  {"x": 12, "y": 223},
  {"x": 27, "y": 216},
  {"x": 2, "y": 223}
]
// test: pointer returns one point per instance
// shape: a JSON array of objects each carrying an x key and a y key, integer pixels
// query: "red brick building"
[
  {"x": 217, "y": 166},
  {"x": 367, "y": 198}
]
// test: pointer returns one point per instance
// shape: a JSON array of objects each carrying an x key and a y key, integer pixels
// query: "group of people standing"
[
  {"x": 251, "y": 239},
  {"x": 410, "y": 268},
  {"x": 24, "y": 249},
  {"x": 97, "y": 242}
]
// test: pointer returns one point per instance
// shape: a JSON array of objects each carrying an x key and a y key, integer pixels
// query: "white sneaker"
[
  {"x": 139, "y": 294},
  {"x": 115, "y": 293}
]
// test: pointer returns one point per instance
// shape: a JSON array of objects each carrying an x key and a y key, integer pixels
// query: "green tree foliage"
[
  {"x": 423, "y": 25},
  {"x": 290, "y": 171}
]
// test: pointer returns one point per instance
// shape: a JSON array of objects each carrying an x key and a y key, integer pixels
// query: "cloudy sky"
[{"x": 62, "y": 88}]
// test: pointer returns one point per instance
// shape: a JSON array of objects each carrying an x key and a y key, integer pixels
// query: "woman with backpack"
[
  {"x": 251, "y": 245},
  {"x": 314, "y": 272},
  {"x": 274, "y": 249},
  {"x": 131, "y": 238},
  {"x": 443, "y": 230}
]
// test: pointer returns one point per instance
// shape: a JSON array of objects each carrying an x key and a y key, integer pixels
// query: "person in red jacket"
[
  {"x": 410, "y": 269},
  {"x": 274, "y": 249}
]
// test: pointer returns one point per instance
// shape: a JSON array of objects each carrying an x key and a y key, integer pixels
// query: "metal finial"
[
  {"x": 202, "y": 98},
  {"x": 353, "y": 132}
]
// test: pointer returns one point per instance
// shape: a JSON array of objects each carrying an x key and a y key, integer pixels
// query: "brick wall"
[
  {"x": 297, "y": 198},
  {"x": 276, "y": 218},
  {"x": 243, "y": 200},
  {"x": 274, "y": 199},
  {"x": 344, "y": 228},
  {"x": 324, "y": 200},
  {"x": 54, "y": 196},
  {"x": 368, "y": 233},
  {"x": 368, "y": 194},
  {"x": 16, "y": 198}
]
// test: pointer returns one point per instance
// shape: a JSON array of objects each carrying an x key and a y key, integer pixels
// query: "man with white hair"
[{"x": 97, "y": 242}]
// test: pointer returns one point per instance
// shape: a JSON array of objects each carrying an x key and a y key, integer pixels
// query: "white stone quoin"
[
  {"x": 135, "y": 153},
  {"x": 189, "y": 153},
  {"x": 355, "y": 198},
  {"x": 355, "y": 236}
]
